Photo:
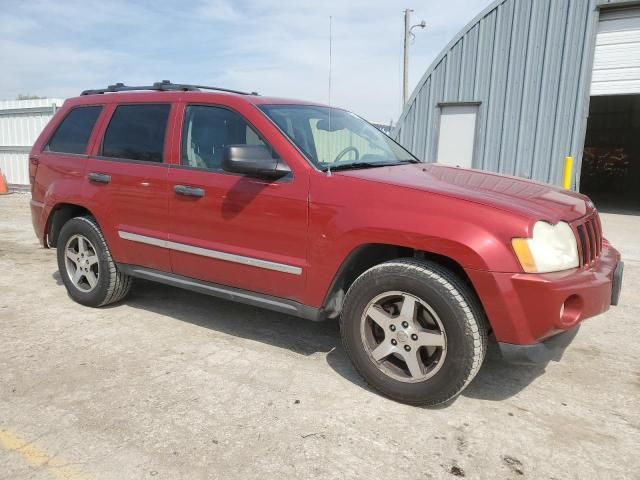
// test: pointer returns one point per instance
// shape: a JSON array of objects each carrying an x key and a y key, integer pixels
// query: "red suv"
[{"x": 311, "y": 211}]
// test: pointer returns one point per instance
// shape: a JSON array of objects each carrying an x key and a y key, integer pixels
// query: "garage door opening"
[{"x": 611, "y": 162}]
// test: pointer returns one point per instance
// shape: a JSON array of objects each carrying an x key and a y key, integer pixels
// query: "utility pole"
[{"x": 407, "y": 36}]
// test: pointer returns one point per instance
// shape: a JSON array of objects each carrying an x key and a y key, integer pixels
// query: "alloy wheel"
[
  {"x": 403, "y": 337},
  {"x": 81, "y": 260}
]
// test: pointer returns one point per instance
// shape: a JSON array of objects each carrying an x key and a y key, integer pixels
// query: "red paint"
[{"x": 314, "y": 221}]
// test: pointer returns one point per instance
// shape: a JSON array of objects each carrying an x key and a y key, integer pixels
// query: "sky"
[{"x": 57, "y": 48}]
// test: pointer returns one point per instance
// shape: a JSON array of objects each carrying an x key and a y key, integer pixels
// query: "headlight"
[{"x": 552, "y": 248}]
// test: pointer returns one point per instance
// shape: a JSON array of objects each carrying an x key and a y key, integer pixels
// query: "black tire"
[
  {"x": 112, "y": 285},
  {"x": 459, "y": 312}
]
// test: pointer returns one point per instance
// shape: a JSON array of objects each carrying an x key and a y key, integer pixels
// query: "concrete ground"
[{"x": 175, "y": 385}]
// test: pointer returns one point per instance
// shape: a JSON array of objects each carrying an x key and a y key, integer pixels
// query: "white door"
[
  {"x": 457, "y": 135},
  {"x": 616, "y": 68}
]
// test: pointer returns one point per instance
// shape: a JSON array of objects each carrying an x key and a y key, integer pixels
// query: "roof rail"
[{"x": 163, "y": 86}]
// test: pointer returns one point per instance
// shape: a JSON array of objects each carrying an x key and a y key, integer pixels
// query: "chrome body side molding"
[{"x": 205, "y": 252}]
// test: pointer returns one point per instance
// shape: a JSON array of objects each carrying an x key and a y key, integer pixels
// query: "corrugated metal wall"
[
  {"x": 21, "y": 121},
  {"x": 528, "y": 63}
]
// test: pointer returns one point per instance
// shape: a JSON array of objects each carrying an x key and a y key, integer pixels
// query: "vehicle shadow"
[
  {"x": 496, "y": 380},
  {"x": 283, "y": 331}
]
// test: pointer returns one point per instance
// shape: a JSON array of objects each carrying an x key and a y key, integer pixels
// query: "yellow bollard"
[{"x": 568, "y": 170}]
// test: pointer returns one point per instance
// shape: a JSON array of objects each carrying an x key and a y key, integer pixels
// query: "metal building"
[
  {"x": 512, "y": 94},
  {"x": 21, "y": 121}
]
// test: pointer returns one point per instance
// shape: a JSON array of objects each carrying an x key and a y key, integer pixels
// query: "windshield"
[{"x": 334, "y": 138}]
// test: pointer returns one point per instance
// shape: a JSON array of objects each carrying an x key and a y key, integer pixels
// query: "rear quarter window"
[
  {"x": 72, "y": 135},
  {"x": 137, "y": 132}
]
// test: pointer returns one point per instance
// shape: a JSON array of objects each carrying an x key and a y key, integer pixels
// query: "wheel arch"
[
  {"x": 59, "y": 215},
  {"x": 366, "y": 256}
]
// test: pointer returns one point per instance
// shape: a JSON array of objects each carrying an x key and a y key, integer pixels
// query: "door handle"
[
  {"x": 99, "y": 177},
  {"x": 189, "y": 191}
]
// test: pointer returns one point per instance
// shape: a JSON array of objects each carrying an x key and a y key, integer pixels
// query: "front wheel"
[
  {"x": 86, "y": 267},
  {"x": 414, "y": 331}
]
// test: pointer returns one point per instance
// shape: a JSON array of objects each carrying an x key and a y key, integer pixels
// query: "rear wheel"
[
  {"x": 86, "y": 267},
  {"x": 414, "y": 331}
]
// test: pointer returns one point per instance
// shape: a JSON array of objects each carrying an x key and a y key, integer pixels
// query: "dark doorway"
[{"x": 611, "y": 162}]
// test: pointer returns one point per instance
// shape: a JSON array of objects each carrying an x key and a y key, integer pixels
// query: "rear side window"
[
  {"x": 136, "y": 132},
  {"x": 73, "y": 133}
]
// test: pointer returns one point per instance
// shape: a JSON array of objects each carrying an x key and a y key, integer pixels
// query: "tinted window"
[
  {"x": 73, "y": 133},
  {"x": 208, "y": 130},
  {"x": 136, "y": 132}
]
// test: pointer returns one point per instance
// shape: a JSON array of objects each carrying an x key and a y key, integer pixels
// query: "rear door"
[
  {"x": 231, "y": 229},
  {"x": 127, "y": 181}
]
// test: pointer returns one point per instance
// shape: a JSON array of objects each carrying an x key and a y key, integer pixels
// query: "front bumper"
[
  {"x": 616, "y": 288},
  {"x": 530, "y": 310}
]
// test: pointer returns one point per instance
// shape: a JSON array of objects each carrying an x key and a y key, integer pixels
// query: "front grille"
[{"x": 589, "y": 234}]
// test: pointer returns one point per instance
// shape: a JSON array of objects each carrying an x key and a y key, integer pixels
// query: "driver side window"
[{"x": 208, "y": 130}]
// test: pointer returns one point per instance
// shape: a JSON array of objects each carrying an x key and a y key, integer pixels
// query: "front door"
[{"x": 230, "y": 229}]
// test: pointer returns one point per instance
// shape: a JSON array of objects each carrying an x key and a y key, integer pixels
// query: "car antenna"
[{"x": 330, "y": 38}]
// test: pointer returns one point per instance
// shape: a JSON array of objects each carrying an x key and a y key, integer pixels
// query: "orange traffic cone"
[{"x": 3, "y": 184}]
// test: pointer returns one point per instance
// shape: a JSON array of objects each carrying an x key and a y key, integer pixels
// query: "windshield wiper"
[{"x": 357, "y": 165}]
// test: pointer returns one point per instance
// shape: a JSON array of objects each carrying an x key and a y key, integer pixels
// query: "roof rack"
[{"x": 163, "y": 86}]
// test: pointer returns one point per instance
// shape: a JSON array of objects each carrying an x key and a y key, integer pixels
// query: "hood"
[{"x": 524, "y": 197}]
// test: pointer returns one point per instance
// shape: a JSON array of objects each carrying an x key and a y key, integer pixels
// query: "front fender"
[{"x": 343, "y": 219}]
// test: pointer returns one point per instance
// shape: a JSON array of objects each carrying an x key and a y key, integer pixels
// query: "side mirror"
[{"x": 253, "y": 160}]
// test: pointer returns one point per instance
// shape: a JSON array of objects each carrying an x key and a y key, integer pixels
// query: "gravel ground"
[{"x": 171, "y": 384}]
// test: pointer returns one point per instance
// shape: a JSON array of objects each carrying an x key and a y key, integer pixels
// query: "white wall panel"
[
  {"x": 21, "y": 121},
  {"x": 15, "y": 167},
  {"x": 616, "y": 68}
]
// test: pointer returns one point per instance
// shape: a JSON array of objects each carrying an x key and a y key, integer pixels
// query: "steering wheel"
[{"x": 347, "y": 150}]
